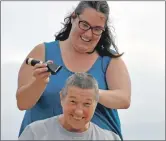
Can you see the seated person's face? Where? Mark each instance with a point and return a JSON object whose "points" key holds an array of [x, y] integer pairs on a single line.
{"points": [[78, 108]]}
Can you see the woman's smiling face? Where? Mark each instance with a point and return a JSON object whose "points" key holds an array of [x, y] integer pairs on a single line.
{"points": [[86, 30]]}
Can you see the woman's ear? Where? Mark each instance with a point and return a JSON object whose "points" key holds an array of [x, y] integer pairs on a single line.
{"points": [[71, 20], [73, 16]]}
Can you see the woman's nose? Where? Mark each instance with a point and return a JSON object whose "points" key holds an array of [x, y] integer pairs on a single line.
{"points": [[88, 34]]}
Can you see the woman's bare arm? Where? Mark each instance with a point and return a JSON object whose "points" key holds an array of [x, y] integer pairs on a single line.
{"points": [[118, 80], [32, 80]]}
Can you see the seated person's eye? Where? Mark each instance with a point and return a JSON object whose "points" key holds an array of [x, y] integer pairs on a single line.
{"points": [[87, 104], [72, 101]]}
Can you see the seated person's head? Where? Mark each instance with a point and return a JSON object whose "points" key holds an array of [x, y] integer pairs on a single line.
{"points": [[79, 99]]}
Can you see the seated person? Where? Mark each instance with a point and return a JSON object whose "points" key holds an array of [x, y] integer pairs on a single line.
{"points": [[79, 99]]}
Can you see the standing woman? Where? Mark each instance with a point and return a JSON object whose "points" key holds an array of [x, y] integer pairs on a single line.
{"points": [[83, 45]]}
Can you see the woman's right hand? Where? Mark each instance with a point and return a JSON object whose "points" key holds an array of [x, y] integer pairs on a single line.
{"points": [[40, 72]]}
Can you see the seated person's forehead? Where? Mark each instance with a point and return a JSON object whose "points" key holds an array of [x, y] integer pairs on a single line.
{"points": [[75, 92]]}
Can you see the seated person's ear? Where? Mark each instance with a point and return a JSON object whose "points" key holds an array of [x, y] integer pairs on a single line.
{"points": [[60, 95], [61, 98]]}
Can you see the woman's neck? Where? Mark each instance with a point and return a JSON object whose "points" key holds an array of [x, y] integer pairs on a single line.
{"points": [[69, 48], [75, 61]]}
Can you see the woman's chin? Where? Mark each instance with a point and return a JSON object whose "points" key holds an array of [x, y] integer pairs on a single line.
{"points": [[81, 49]]}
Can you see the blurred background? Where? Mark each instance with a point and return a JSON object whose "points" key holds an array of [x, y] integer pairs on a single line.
{"points": [[140, 34]]}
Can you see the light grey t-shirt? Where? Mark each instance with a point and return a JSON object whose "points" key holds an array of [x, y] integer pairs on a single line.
{"points": [[51, 129]]}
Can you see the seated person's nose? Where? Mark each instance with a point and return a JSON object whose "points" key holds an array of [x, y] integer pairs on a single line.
{"points": [[78, 111]]}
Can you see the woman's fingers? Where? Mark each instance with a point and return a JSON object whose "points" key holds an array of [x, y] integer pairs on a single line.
{"points": [[39, 65], [45, 75], [50, 61], [41, 71]]}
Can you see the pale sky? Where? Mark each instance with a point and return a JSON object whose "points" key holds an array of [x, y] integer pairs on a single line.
{"points": [[140, 33]]}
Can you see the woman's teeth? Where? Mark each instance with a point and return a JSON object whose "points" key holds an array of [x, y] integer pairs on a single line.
{"points": [[84, 39]]}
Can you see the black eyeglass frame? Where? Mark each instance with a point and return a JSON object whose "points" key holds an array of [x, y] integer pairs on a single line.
{"points": [[90, 27]]}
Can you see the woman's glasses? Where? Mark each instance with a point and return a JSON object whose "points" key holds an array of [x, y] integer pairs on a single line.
{"points": [[85, 26]]}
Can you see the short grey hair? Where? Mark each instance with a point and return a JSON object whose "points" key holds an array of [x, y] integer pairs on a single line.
{"points": [[83, 81]]}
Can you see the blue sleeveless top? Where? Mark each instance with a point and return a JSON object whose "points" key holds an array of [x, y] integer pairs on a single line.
{"points": [[49, 103]]}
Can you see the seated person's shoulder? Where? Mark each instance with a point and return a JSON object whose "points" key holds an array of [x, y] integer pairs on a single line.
{"points": [[41, 127], [36, 125], [103, 134], [37, 129], [45, 123]]}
